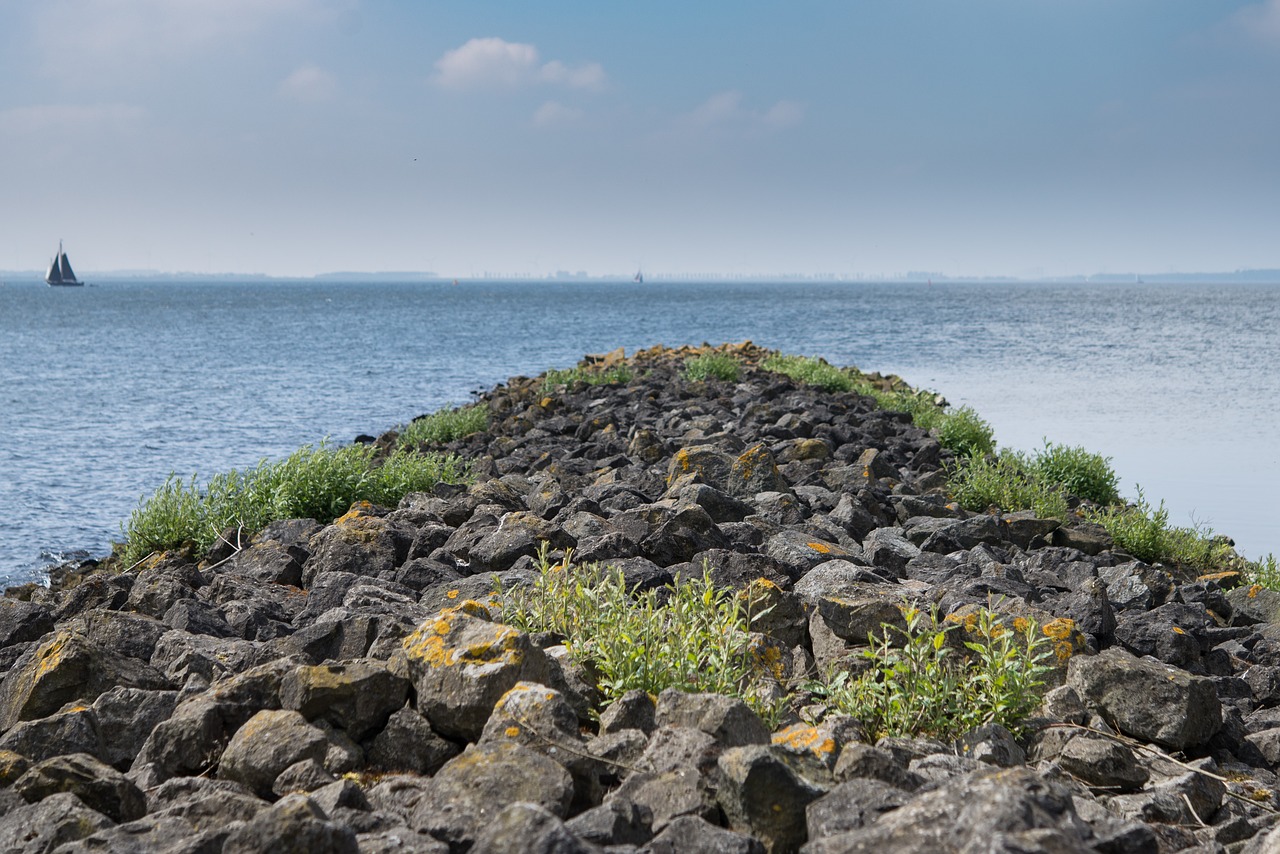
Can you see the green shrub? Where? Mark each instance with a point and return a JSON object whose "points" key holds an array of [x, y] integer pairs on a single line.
{"points": [[815, 372], [444, 426], [981, 481], [312, 483], [1265, 572], [698, 641], [708, 366], [1144, 532], [591, 375], [1077, 471], [919, 684], [965, 433]]}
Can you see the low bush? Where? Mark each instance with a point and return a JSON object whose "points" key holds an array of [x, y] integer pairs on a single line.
{"points": [[1264, 572], [920, 684], [712, 366], [815, 372], [589, 374], [982, 481], [695, 637], [1077, 472], [1144, 532], [444, 426], [318, 483]]}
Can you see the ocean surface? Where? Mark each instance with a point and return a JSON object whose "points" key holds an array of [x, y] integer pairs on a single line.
{"points": [[106, 390]]}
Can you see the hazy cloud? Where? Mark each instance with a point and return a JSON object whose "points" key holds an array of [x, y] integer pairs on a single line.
{"points": [[726, 109], [1260, 21], [553, 114], [494, 63], [69, 118], [309, 83], [74, 34]]}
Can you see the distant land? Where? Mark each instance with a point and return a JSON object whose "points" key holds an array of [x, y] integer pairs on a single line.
{"points": [[1264, 276]]}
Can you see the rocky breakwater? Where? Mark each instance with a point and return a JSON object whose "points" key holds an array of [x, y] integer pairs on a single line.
{"points": [[350, 686]]}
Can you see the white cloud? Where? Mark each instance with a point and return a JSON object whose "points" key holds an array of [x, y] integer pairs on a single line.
{"points": [[725, 109], [554, 114], [1260, 21], [309, 83], [494, 63], [70, 119], [78, 34]]}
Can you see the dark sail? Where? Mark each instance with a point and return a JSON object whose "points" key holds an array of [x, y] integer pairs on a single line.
{"points": [[60, 272], [68, 275]]}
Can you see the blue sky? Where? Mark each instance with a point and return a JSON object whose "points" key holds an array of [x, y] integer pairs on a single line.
{"points": [[990, 137]]}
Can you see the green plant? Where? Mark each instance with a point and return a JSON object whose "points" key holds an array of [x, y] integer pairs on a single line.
{"points": [[810, 371], [1077, 471], [589, 374], [1144, 532], [718, 366], [1264, 572], [981, 481], [920, 684], [695, 637], [444, 426], [318, 483]]}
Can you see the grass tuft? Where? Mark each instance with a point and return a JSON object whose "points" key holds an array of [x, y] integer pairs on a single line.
{"points": [[712, 366], [318, 483], [444, 426], [1144, 532], [591, 375], [1077, 472]]}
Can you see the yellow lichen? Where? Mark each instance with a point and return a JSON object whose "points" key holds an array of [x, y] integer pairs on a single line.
{"points": [[512, 731], [821, 548]]}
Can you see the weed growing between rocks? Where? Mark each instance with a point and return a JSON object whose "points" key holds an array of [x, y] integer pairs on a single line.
{"points": [[1265, 572], [1144, 532], [919, 684], [960, 429], [444, 426], [1077, 472], [712, 366], [1041, 482], [591, 375], [691, 635], [318, 483]]}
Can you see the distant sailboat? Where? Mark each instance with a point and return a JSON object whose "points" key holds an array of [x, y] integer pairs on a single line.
{"points": [[60, 273], [638, 278]]}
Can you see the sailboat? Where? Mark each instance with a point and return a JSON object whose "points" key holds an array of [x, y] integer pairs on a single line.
{"points": [[60, 273], [639, 277]]}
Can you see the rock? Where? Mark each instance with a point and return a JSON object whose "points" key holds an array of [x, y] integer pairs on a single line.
{"points": [[472, 789], [618, 822], [633, 710], [99, 786], [691, 833], [40, 827], [305, 776], [1102, 762], [266, 745], [524, 827], [797, 552], [858, 761], [993, 744], [461, 664], [21, 622], [358, 696], [1147, 699], [764, 798], [74, 729], [852, 805], [676, 776], [813, 751], [68, 666], [295, 825], [729, 721], [407, 743]]}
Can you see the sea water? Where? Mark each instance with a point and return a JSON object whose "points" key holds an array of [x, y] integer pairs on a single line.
{"points": [[107, 390]]}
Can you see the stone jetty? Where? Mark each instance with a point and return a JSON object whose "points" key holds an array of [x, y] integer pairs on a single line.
{"points": [[350, 686]]}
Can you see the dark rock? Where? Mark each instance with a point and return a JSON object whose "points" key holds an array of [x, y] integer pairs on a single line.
{"points": [[691, 833], [729, 721], [407, 743], [266, 745], [358, 696], [40, 827], [295, 825], [99, 786], [852, 805], [22, 622], [524, 827], [633, 710], [762, 797]]}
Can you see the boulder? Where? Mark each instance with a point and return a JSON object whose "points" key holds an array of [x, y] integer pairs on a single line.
{"points": [[1147, 699], [99, 786], [764, 798], [266, 745], [295, 825], [357, 696]]}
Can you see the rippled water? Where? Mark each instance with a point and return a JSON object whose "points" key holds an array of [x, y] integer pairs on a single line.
{"points": [[106, 390]]}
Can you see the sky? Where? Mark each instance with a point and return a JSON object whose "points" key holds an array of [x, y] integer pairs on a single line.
{"points": [[850, 137]]}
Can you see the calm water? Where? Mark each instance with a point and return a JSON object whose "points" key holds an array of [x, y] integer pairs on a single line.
{"points": [[106, 390]]}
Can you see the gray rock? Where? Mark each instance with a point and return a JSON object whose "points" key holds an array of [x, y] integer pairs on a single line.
{"points": [[295, 825], [1136, 585], [633, 710], [74, 729], [852, 805], [462, 664], [728, 720], [473, 788], [22, 622], [813, 751], [1102, 762], [797, 552], [524, 828], [407, 743], [677, 776], [153, 834], [99, 786], [305, 776], [618, 822], [266, 745], [993, 744], [126, 716], [691, 833], [41, 827], [358, 696], [1147, 699], [203, 801], [764, 798]]}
